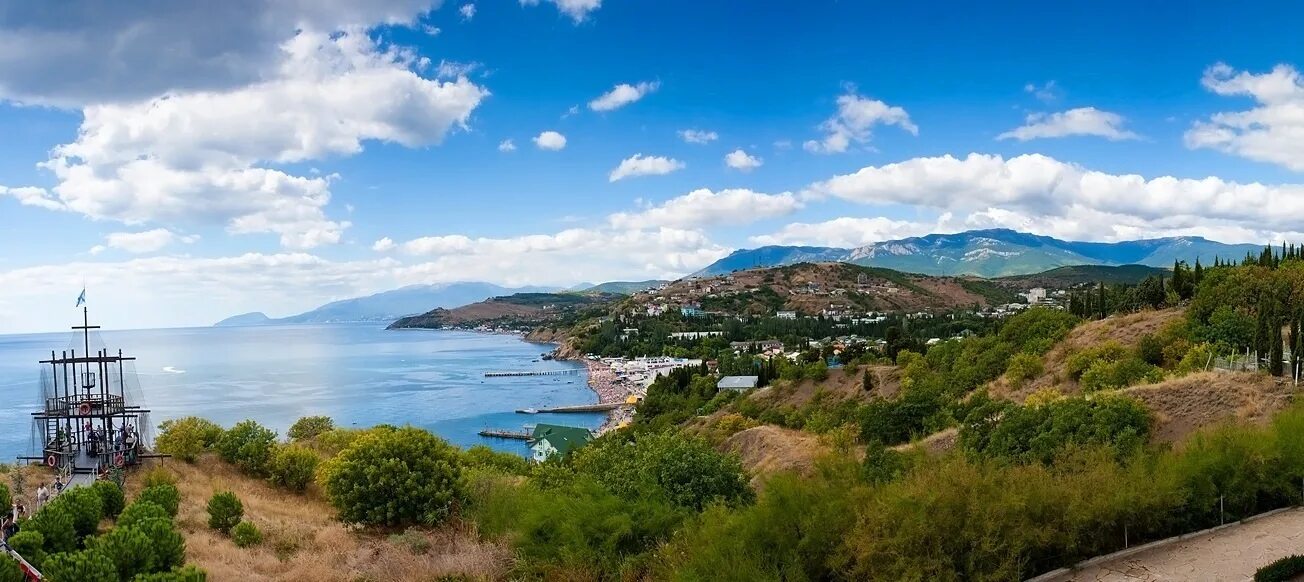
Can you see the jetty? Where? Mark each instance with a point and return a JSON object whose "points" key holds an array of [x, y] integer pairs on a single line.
{"points": [[580, 408], [568, 372], [505, 434]]}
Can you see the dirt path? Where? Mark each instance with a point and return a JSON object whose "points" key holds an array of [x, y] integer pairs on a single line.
{"points": [[1232, 553]]}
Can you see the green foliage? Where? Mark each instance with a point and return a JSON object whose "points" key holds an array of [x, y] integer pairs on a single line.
{"points": [[6, 499], [83, 566], [293, 467], [912, 413], [224, 511], [54, 522], [246, 534], [166, 496], [158, 476], [248, 445], [480, 456], [882, 464], [111, 498], [1109, 351], [1282, 570], [139, 511], [1024, 367], [185, 438], [169, 546], [85, 507], [10, 571], [681, 469], [1129, 371], [395, 477], [310, 427], [130, 550], [30, 544], [186, 573], [1041, 433], [1035, 330]]}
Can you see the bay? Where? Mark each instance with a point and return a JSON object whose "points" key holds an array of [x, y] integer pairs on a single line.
{"points": [[358, 374]]}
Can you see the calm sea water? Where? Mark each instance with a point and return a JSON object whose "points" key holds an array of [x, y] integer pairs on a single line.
{"points": [[358, 374]]}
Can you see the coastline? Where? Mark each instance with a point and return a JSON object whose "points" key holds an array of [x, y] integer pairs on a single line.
{"points": [[603, 381]]}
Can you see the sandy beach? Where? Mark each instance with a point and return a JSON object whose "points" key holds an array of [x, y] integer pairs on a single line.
{"points": [[603, 381]]}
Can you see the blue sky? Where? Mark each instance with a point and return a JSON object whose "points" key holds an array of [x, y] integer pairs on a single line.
{"points": [[257, 156]]}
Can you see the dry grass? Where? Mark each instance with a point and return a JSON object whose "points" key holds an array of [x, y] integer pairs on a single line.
{"points": [[766, 450], [302, 540], [1124, 329], [842, 384], [938, 443], [1183, 405]]}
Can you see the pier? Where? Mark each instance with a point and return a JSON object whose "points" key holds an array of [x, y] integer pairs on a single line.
{"points": [[569, 372], [581, 408], [505, 434]]}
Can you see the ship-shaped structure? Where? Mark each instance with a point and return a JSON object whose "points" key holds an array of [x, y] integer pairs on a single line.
{"points": [[91, 418]]}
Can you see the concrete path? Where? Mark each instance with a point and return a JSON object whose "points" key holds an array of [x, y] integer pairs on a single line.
{"points": [[1231, 553]]}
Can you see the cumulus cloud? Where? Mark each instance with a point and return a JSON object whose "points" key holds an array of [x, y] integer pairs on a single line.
{"points": [[148, 241], [200, 156], [1045, 92], [622, 95], [550, 140], [506, 146], [641, 165], [1272, 131], [1045, 195], [383, 245], [83, 52], [698, 136], [742, 161], [845, 232], [1080, 121], [467, 11], [705, 207], [577, 10], [32, 196], [854, 122]]}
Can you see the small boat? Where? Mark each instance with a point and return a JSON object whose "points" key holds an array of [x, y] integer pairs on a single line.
{"points": [[529, 410]]}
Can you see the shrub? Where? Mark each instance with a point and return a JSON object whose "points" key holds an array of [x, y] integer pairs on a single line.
{"points": [[111, 497], [83, 566], [139, 511], [85, 507], [166, 496], [1129, 371], [1283, 570], [414, 540], [1023, 367], [1040, 433], [158, 476], [395, 477], [684, 470], [1109, 351], [169, 547], [224, 511], [6, 499], [293, 467], [10, 571], [29, 544], [481, 456], [182, 574], [246, 534], [185, 438], [131, 551], [55, 524], [309, 427], [248, 445]]}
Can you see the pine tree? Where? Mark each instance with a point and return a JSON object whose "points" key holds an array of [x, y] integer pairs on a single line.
{"points": [[1197, 274], [1101, 307]]}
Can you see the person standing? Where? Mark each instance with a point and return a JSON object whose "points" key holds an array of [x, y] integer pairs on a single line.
{"points": [[42, 495]]}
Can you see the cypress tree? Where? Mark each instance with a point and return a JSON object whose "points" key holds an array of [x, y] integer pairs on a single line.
{"points": [[1274, 366], [1198, 274], [1101, 307], [1294, 346]]}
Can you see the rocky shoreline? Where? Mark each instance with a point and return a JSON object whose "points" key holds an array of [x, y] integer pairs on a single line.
{"points": [[603, 381]]}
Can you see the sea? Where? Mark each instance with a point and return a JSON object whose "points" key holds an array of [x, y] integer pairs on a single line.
{"points": [[358, 374]]}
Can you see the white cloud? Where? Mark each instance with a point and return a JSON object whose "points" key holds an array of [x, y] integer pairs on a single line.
{"points": [[467, 11], [453, 69], [622, 95], [845, 232], [198, 156], [855, 121], [144, 242], [506, 146], [550, 140], [1046, 92], [698, 136], [383, 245], [705, 207], [31, 196], [577, 10], [1080, 121], [742, 161], [572, 112], [90, 52], [1272, 132], [430, 30], [1044, 195], [641, 165]]}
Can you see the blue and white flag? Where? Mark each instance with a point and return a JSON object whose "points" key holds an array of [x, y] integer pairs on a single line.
{"points": [[81, 299]]}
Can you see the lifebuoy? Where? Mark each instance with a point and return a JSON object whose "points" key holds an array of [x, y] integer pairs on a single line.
{"points": [[85, 408], [119, 460], [51, 461]]}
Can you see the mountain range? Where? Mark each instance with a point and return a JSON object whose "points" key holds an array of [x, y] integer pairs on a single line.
{"points": [[987, 253], [389, 305]]}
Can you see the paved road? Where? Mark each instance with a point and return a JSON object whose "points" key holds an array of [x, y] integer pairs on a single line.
{"points": [[1232, 553]]}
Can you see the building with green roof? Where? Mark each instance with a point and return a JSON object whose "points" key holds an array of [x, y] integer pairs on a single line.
{"points": [[551, 439]]}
